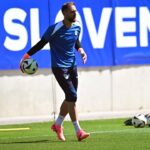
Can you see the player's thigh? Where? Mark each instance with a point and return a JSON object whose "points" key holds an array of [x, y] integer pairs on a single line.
{"points": [[63, 77], [74, 77]]}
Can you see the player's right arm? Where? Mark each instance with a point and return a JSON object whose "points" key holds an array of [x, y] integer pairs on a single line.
{"points": [[38, 46]]}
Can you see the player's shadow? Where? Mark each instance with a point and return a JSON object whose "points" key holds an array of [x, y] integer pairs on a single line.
{"points": [[29, 142]]}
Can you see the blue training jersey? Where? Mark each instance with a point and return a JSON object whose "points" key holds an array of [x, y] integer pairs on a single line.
{"points": [[62, 43]]}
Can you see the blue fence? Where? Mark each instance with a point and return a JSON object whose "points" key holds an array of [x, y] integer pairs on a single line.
{"points": [[114, 32]]}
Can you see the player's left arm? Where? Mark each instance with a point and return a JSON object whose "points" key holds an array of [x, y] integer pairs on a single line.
{"points": [[81, 51]]}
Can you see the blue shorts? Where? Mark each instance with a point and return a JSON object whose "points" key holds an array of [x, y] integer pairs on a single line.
{"points": [[68, 81]]}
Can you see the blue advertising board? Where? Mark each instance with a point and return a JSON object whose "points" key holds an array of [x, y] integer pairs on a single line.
{"points": [[114, 32], [22, 23], [132, 32]]}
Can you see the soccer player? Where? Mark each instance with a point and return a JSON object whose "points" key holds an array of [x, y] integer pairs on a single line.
{"points": [[64, 40]]}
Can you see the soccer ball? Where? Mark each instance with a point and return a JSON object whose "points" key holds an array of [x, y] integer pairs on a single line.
{"points": [[29, 66], [139, 121], [148, 118]]}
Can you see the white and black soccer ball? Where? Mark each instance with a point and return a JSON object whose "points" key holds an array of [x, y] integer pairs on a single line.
{"points": [[148, 119], [139, 121], [29, 66]]}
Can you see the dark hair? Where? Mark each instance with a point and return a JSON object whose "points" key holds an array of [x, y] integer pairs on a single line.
{"points": [[65, 6]]}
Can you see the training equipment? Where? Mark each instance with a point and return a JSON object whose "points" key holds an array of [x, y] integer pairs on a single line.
{"points": [[14, 129], [148, 118], [29, 66], [139, 121]]}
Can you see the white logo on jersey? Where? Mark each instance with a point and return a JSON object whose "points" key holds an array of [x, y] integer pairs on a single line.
{"points": [[76, 32]]}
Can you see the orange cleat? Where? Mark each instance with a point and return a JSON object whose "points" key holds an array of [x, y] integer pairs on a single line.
{"points": [[59, 131], [81, 135]]}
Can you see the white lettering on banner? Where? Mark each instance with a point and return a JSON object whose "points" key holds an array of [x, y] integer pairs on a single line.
{"points": [[34, 22], [15, 29], [34, 26], [97, 39], [126, 23], [125, 26], [144, 26]]}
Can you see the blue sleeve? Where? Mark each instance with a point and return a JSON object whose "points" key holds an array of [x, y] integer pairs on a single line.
{"points": [[47, 34]]}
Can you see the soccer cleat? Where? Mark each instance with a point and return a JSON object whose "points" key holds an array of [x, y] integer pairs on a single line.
{"points": [[59, 131], [81, 134]]}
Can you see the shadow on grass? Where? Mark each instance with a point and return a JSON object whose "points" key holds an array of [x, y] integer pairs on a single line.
{"points": [[36, 141], [29, 142]]}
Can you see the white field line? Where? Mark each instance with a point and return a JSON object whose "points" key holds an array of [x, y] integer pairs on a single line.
{"points": [[119, 131], [92, 132]]}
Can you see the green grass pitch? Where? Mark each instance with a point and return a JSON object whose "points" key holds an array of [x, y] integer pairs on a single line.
{"points": [[109, 134]]}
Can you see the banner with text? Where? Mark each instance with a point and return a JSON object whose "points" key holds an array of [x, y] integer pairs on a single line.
{"points": [[114, 32]]}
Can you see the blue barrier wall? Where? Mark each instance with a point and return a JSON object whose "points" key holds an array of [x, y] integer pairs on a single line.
{"points": [[114, 32]]}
